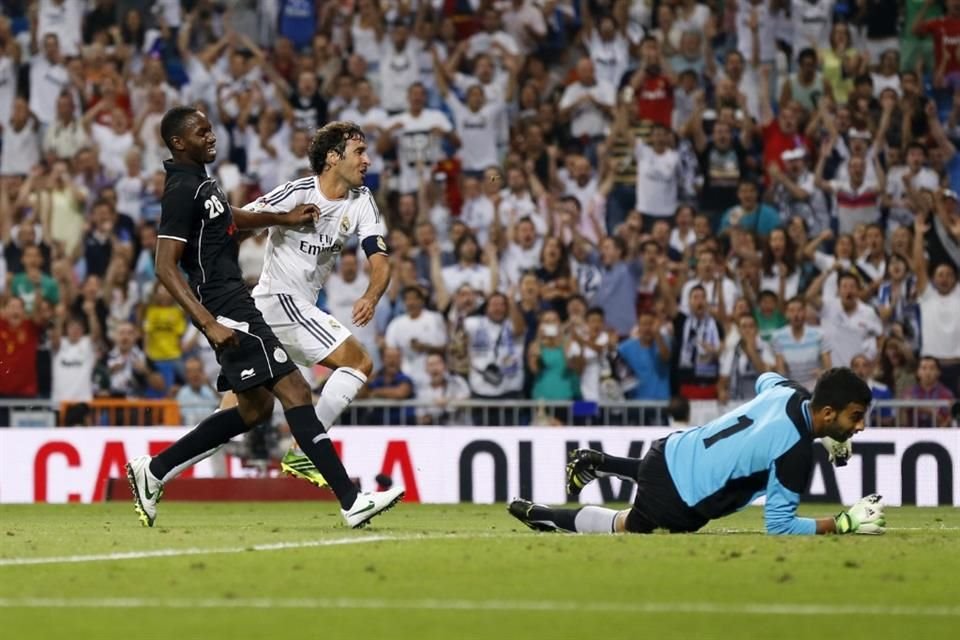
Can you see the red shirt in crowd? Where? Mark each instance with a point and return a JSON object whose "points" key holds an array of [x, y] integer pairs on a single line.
{"points": [[18, 359], [946, 36], [775, 142], [655, 101]]}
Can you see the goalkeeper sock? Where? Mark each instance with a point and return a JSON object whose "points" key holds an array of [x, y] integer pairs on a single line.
{"points": [[594, 520], [338, 391], [208, 436], [316, 445], [626, 468]]}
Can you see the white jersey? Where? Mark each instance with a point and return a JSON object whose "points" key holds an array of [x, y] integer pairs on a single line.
{"points": [[299, 260]]}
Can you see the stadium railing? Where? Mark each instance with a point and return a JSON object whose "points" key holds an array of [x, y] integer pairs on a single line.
{"points": [[141, 412]]}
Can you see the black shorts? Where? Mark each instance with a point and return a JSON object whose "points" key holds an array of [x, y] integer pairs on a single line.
{"points": [[259, 358], [658, 504]]}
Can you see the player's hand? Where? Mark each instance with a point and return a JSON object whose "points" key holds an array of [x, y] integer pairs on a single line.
{"points": [[363, 312], [299, 216], [865, 517], [838, 452], [221, 337]]}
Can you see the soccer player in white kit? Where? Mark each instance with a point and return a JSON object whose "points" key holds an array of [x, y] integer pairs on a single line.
{"points": [[298, 262]]}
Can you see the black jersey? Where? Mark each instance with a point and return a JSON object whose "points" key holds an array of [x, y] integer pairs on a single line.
{"points": [[195, 211]]}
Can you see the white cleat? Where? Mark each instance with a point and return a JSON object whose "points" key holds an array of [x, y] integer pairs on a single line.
{"points": [[146, 489], [368, 505]]}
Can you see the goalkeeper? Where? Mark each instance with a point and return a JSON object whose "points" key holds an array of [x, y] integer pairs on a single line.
{"points": [[764, 447]]}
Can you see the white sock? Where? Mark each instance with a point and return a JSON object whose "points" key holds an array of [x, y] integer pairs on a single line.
{"points": [[339, 390], [595, 520]]}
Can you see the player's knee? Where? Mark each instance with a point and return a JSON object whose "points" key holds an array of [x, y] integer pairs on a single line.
{"points": [[257, 411], [293, 391], [636, 522], [364, 364]]}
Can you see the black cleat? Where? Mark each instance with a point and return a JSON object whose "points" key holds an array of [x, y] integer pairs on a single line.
{"points": [[535, 516], [582, 469]]}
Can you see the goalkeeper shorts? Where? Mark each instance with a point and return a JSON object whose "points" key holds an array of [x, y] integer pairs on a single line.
{"points": [[658, 504]]}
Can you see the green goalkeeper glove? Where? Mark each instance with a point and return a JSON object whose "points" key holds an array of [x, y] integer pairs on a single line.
{"points": [[866, 517]]}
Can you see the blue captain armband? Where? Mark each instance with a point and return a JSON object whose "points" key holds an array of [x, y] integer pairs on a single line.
{"points": [[374, 244]]}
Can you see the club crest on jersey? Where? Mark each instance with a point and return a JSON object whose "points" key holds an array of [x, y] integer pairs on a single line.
{"points": [[279, 355], [344, 225]]}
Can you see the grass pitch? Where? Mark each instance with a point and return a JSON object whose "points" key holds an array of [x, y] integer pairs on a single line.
{"points": [[462, 571]]}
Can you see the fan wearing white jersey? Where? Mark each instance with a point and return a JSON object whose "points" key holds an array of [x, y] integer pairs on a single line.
{"points": [[298, 262]]}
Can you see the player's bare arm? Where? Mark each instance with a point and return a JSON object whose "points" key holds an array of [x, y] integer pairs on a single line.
{"points": [[379, 280], [168, 257], [299, 216]]}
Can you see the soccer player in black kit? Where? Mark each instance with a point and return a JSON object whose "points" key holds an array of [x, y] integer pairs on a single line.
{"points": [[197, 229]]}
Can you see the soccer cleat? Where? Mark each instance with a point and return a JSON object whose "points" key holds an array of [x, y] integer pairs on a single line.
{"points": [[582, 469], [146, 489], [368, 505], [299, 466], [535, 516]]}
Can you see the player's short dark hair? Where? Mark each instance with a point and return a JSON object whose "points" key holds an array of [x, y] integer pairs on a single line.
{"points": [[839, 387], [174, 122], [333, 136]]}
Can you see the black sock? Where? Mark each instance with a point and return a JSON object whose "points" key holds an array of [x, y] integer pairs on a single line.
{"points": [[315, 443], [214, 431], [628, 468]]}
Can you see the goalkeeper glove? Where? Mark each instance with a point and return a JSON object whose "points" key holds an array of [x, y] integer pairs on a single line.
{"points": [[866, 517], [838, 452]]}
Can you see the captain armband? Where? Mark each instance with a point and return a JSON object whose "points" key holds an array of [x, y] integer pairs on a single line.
{"points": [[374, 244]]}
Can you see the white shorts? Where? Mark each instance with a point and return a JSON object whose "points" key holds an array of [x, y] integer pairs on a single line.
{"points": [[307, 333]]}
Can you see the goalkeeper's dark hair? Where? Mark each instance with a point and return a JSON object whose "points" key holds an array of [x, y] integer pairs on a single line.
{"points": [[333, 136], [174, 122], [838, 387]]}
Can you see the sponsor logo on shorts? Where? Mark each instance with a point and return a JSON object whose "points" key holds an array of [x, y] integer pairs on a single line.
{"points": [[247, 373], [334, 324], [279, 355]]}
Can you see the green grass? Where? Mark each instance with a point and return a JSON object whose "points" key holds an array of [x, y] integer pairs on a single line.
{"points": [[465, 572]]}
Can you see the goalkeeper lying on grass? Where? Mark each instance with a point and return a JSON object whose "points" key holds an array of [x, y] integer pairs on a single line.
{"points": [[764, 447]]}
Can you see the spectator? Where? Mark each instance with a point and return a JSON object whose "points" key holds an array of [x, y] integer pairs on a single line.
{"points": [[33, 285], [722, 163], [127, 364], [863, 367], [416, 133], [939, 310], [549, 360], [440, 389], [21, 141], [74, 357], [768, 314], [647, 352], [928, 387], [391, 383], [743, 362], [720, 290], [696, 348], [588, 105], [591, 344], [48, 78], [617, 284], [802, 351], [850, 325], [18, 361], [196, 397], [657, 177], [22, 236], [495, 342], [855, 199], [466, 270], [795, 194], [750, 214], [163, 325], [417, 334], [896, 300]]}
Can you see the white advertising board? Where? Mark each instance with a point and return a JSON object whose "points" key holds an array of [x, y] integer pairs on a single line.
{"points": [[467, 464]]}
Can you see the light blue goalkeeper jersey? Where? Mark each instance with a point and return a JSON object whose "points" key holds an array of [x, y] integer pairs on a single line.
{"points": [[762, 447]]}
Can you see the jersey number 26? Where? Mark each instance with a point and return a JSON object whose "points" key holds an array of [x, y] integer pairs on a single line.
{"points": [[213, 206]]}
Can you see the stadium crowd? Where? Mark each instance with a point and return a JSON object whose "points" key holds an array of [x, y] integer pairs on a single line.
{"points": [[588, 200]]}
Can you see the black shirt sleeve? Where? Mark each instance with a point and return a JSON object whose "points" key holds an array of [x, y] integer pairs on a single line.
{"points": [[177, 211]]}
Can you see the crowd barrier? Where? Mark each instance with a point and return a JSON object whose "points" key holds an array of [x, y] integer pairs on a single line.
{"points": [[471, 464], [138, 412]]}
